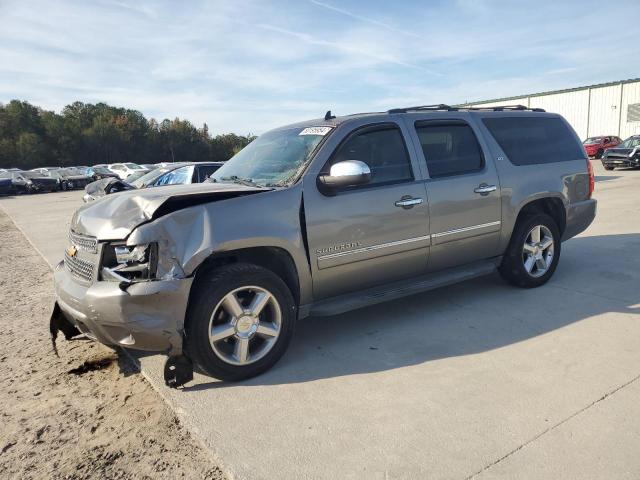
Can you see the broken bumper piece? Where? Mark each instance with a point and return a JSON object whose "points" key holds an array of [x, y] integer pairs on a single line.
{"points": [[144, 316]]}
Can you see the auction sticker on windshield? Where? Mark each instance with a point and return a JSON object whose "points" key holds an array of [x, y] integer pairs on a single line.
{"points": [[315, 131]]}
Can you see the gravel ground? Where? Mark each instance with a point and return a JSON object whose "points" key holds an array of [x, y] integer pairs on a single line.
{"points": [[106, 422]]}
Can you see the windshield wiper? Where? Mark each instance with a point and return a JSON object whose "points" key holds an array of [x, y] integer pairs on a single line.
{"points": [[242, 181]]}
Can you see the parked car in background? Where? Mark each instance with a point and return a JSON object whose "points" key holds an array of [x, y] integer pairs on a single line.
{"points": [[98, 173], [29, 182], [596, 146], [174, 174], [6, 183], [151, 166], [626, 154], [69, 178], [125, 169]]}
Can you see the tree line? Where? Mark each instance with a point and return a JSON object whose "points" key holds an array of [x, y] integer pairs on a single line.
{"points": [[89, 134]]}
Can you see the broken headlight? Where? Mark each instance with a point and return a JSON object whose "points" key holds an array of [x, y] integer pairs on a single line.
{"points": [[124, 263]]}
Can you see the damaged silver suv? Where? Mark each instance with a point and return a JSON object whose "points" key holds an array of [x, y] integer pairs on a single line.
{"points": [[318, 218]]}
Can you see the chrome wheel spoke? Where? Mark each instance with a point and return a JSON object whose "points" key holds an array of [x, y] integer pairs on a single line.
{"points": [[259, 302], [241, 350], [529, 249], [535, 234], [546, 242], [232, 305], [529, 263], [267, 329], [220, 332], [541, 264]]}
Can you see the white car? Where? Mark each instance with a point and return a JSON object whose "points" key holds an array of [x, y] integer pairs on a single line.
{"points": [[123, 170]]}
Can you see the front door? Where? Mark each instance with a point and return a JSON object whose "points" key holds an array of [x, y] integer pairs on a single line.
{"points": [[371, 234], [464, 193]]}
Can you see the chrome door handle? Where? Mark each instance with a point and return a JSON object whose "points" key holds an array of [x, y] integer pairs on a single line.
{"points": [[408, 202], [484, 189]]}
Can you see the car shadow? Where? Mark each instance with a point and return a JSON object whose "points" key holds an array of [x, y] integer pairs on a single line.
{"points": [[605, 178], [464, 319]]}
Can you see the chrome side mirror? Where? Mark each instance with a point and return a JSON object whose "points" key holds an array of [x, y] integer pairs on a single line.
{"points": [[348, 173]]}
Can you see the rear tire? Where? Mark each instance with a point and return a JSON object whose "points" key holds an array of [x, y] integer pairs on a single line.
{"points": [[240, 321], [533, 252]]}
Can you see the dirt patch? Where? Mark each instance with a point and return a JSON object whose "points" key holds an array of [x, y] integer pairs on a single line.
{"points": [[87, 413]]}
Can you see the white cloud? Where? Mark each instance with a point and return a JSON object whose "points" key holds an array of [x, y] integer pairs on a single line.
{"points": [[248, 66]]}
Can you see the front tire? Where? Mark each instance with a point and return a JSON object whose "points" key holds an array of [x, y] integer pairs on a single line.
{"points": [[240, 321], [533, 252], [606, 167], [599, 153]]}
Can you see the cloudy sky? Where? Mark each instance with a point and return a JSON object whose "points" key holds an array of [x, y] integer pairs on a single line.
{"points": [[246, 66]]}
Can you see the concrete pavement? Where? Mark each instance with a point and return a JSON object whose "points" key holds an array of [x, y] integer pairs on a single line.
{"points": [[477, 379]]}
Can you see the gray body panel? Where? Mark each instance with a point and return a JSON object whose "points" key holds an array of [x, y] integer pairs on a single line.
{"points": [[348, 250]]}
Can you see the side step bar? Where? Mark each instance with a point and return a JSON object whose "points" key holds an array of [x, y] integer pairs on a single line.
{"points": [[403, 288]]}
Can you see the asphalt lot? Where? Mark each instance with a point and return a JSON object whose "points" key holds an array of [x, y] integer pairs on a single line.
{"points": [[474, 380]]}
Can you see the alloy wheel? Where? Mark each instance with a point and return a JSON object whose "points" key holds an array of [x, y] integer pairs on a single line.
{"points": [[537, 252], [245, 325]]}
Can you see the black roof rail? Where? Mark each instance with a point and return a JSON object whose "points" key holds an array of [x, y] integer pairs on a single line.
{"points": [[440, 106], [448, 108]]}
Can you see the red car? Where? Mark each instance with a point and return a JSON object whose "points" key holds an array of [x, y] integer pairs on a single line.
{"points": [[595, 146]]}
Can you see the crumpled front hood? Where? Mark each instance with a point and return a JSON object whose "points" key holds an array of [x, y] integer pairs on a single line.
{"points": [[102, 187], [113, 217]]}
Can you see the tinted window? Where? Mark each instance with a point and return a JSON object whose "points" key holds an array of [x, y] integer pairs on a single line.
{"points": [[383, 150], [449, 149], [205, 171], [528, 140]]}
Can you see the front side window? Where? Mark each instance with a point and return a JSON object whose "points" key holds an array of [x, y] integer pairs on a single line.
{"points": [[382, 149], [449, 148]]}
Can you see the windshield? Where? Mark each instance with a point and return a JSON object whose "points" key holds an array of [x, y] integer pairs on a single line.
{"points": [[101, 170], [273, 159], [592, 140], [630, 142], [132, 166], [148, 177], [70, 171]]}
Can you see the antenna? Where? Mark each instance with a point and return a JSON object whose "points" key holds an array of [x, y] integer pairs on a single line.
{"points": [[328, 116]]}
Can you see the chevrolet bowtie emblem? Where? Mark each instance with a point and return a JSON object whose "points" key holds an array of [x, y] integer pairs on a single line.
{"points": [[72, 251]]}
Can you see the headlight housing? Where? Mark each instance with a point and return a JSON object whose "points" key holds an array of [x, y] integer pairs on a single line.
{"points": [[124, 263]]}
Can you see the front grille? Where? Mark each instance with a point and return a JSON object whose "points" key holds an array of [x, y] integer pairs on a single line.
{"points": [[80, 268], [83, 242]]}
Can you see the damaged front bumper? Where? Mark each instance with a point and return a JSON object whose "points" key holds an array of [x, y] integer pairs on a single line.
{"points": [[143, 316]]}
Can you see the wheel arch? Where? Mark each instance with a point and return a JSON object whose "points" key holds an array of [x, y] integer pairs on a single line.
{"points": [[276, 259], [552, 206]]}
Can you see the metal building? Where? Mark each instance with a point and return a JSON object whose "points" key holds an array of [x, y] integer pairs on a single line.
{"points": [[604, 109]]}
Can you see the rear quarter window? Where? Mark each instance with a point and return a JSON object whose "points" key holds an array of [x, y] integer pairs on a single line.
{"points": [[531, 141]]}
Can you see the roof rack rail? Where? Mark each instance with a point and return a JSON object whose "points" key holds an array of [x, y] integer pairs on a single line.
{"points": [[448, 108], [440, 106]]}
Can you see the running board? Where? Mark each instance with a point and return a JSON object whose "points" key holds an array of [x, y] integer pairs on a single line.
{"points": [[403, 288]]}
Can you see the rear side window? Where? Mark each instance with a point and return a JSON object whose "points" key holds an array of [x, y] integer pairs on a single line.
{"points": [[449, 149], [382, 149], [530, 141]]}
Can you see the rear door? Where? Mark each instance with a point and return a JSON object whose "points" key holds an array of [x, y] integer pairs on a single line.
{"points": [[371, 234], [463, 190]]}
